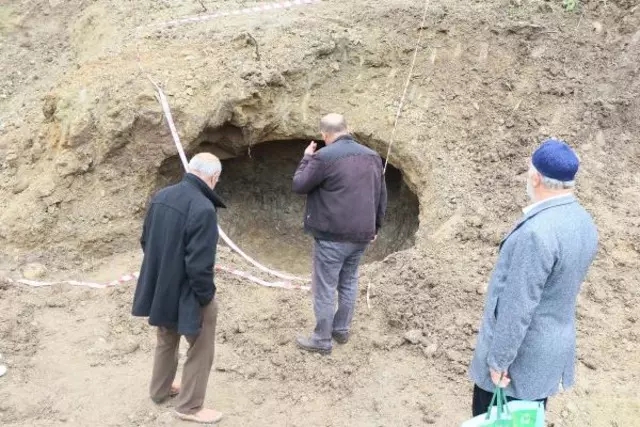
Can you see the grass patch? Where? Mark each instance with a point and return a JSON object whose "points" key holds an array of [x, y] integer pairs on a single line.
{"points": [[570, 5]]}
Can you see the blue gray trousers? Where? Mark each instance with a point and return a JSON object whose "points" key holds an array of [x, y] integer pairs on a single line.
{"points": [[335, 267]]}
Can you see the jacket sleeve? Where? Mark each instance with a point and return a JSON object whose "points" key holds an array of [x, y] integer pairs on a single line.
{"points": [[309, 175], [200, 250], [145, 228], [530, 265], [382, 204]]}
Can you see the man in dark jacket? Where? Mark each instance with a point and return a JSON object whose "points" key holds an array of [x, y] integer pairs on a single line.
{"points": [[176, 289], [346, 203]]}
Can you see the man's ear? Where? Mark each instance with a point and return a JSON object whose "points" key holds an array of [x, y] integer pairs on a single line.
{"points": [[536, 180]]}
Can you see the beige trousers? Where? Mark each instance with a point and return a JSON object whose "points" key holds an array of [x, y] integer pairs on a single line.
{"points": [[195, 373]]}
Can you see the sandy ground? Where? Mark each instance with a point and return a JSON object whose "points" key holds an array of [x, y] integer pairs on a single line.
{"points": [[83, 145]]}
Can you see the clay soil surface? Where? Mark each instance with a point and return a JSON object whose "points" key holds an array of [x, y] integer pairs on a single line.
{"points": [[83, 145]]}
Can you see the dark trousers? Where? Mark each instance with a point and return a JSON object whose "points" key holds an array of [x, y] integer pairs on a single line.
{"points": [[482, 400]]}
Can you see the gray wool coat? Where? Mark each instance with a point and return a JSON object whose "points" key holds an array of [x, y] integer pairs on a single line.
{"points": [[528, 325]]}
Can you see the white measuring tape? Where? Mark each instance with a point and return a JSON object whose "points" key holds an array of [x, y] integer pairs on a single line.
{"points": [[406, 85], [35, 284], [132, 276], [264, 7]]}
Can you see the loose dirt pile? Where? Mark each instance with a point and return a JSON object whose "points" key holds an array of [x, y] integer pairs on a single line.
{"points": [[83, 145]]}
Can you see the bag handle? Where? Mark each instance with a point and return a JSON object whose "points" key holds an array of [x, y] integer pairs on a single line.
{"points": [[499, 398]]}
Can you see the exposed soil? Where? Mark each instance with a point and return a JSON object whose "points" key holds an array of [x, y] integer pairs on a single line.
{"points": [[83, 145]]}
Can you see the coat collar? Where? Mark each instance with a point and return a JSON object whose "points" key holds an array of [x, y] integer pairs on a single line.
{"points": [[344, 138], [204, 189], [540, 207]]}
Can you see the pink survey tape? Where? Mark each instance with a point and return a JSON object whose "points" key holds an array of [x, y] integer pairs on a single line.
{"points": [[133, 276], [260, 8], [33, 283]]}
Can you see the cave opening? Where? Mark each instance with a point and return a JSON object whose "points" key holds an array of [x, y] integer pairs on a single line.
{"points": [[265, 218]]}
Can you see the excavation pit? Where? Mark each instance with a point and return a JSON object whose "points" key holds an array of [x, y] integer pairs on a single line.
{"points": [[265, 218]]}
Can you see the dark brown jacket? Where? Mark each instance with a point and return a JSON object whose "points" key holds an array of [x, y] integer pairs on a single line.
{"points": [[346, 191]]}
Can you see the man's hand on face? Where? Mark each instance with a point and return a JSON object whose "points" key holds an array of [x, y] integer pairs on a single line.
{"points": [[311, 149], [500, 379]]}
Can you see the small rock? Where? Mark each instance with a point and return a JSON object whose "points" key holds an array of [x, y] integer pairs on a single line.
{"points": [[11, 159], [413, 336], [454, 356], [251, 372], [430, 350], [258, 400], [20, 186], [127, 347], [597, 294], [597, 27], [428, 419], [166, 418], [481, 289], [460, 321], [277, 360], [396, 342], [56, 302], [379, 342], [589, 363], [475, 221], [395, 323], [34, 271]]}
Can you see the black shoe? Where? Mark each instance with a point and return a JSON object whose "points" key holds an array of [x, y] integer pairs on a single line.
{"points": [[340, 337], [308, 345]]}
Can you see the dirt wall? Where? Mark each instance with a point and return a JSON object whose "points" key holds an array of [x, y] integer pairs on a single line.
{"points": [[83, 144]]}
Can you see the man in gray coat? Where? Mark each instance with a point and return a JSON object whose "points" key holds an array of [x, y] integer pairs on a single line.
{"points": [[527, 341]]}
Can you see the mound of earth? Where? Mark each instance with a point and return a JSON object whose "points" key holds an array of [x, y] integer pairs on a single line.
{"points": [[84, 144]]}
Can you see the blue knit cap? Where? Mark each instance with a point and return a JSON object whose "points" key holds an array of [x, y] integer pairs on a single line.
{"points": [[555, 159]]}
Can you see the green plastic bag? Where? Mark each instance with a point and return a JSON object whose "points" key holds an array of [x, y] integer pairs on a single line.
{"points": [[526, 413], [518, 413]]}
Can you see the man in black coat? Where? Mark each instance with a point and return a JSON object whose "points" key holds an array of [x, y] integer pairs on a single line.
{"points": [[176, 287]]}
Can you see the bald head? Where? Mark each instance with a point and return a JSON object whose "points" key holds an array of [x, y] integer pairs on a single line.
{"points": [[207, 167], [333, 126]]}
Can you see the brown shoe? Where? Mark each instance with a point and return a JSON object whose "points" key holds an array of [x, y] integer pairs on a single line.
{"points": [[203, 416]]}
